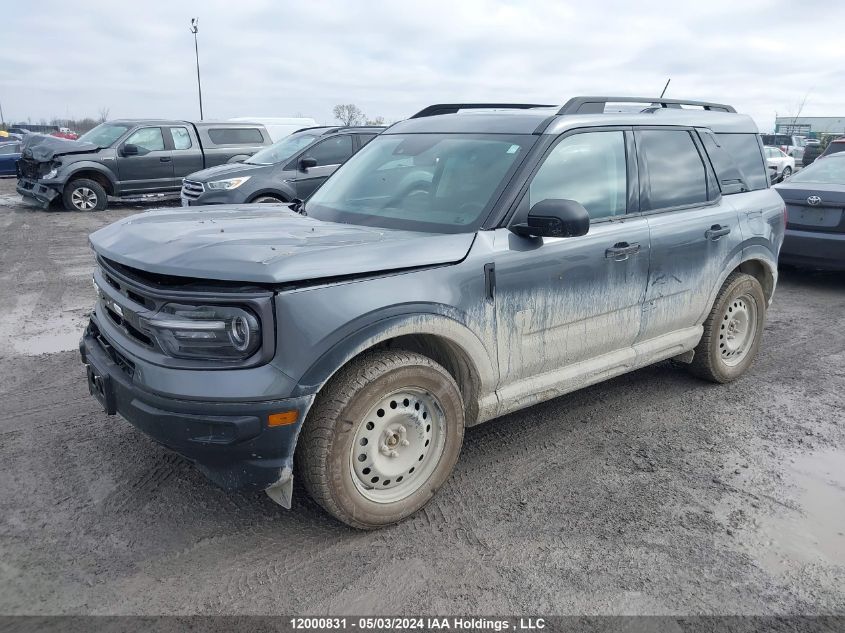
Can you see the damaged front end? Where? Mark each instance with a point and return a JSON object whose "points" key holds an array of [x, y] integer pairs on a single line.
{"points": [[38, 167]]}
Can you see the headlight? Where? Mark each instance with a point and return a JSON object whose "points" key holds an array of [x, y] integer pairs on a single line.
{"points": [[207, 332], [50, 174], [229, 183]]}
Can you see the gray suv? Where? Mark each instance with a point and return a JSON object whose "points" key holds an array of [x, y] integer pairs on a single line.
{"points": [[471, 261], [288, 170]]}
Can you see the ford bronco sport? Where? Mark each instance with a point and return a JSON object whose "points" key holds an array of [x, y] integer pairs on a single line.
{"points": [[468, 262]]}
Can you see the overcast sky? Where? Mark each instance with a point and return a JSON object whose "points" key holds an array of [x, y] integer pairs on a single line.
{"points": [[281, 58]]}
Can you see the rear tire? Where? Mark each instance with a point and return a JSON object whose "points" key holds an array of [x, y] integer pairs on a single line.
{"points": [[732, 331], [787, 172], [382, 437], [83, 194]]}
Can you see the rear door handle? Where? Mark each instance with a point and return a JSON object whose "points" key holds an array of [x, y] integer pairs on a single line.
{"points": [[164, 159], [621, 250], [716, 231]]}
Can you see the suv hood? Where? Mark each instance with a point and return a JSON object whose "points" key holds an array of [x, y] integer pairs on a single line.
{"points": [[227, 170], [267, 244], [42, 147]]}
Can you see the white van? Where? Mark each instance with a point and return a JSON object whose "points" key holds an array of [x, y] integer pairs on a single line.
{"points": [[279, 127]]}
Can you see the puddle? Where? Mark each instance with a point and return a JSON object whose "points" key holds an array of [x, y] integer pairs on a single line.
{"points": [[28, 333], [49, 343], [815, 534]]}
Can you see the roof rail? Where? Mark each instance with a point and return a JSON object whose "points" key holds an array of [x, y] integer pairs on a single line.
{"points": [[452, 108], [595, 105]]}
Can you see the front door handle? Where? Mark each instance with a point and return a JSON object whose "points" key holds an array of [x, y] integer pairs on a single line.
{"points": [[164, 159], [621, 250], [716, 231]]}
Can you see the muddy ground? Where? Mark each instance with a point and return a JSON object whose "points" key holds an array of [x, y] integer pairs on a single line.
{"points": [[652, 493]]}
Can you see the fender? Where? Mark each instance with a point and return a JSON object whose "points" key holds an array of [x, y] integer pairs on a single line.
{"points": [[281, 191], [761, 255], [88, 165], [390, 326]]}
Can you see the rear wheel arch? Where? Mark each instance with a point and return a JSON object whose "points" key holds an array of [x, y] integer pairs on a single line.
{"points": [[762, 272]]}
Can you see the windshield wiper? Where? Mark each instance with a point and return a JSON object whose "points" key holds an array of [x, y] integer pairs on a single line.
{"points": [[298, 206]]}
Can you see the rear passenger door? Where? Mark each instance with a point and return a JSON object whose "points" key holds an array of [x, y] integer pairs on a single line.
{"points": [[695, 232], [563, 301], [151, 169], [329, 154], [187, 154]]}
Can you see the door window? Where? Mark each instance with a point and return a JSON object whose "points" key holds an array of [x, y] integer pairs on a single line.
{"points": [[11, 148], [363, 139], [332, 151], [589, 168], [181, 138], [676, 173], [149, 138]]}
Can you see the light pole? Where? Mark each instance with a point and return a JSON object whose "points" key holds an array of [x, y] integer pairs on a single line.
{"points": [[195, 23]]}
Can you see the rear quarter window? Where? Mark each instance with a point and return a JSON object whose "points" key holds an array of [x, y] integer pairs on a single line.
{"points": [[235, 136], [744, 150]]}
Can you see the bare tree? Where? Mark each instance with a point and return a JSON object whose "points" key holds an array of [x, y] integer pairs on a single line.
{"points": [[103, 115], [379, 120], [348, 114]]}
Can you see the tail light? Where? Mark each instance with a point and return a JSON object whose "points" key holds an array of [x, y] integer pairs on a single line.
{"points": [[783, 148]]}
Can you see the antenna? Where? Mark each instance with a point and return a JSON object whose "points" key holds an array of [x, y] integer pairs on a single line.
{"points": [[664, 87]]}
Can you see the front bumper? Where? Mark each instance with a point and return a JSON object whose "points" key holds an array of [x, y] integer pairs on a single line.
{"points": [[230, 442], [234, 196], [813, 249], [38, 192]]}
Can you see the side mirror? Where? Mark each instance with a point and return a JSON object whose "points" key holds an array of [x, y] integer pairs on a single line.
{"points": [[129, 149], [306, 163], [555, 218]]}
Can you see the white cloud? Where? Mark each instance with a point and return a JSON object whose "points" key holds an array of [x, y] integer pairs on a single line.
{"points": [[392, 58]]}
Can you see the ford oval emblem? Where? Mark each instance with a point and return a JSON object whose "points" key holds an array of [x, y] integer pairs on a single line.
{"points": [[814, 201]]}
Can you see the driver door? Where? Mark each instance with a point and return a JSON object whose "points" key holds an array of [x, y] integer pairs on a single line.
{"points": [[329, 154], [151, 169], [563, 302]]}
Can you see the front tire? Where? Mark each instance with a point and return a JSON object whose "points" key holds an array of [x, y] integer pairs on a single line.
{"points": [[83, 194], [787, 172], [732, 331], [382, 437], [267, 200]]}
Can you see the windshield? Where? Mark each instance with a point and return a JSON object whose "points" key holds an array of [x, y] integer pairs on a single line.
{"points": [[104, 134], [830, 171], [281, 151], [438, 183]]}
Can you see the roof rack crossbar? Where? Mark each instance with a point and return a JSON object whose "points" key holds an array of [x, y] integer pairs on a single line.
{"points": [[452, 108], [596, 105]]}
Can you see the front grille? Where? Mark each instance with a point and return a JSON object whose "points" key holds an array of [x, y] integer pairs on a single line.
{"points": [[126, 365], [192, 189], [29, 168]]}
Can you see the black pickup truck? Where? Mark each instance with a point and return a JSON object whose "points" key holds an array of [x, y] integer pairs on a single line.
{"points": [[129, 159]]}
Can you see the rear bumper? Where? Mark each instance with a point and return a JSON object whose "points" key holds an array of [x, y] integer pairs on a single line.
{"points": [[813, 249], [41, 194], [230, 442]]}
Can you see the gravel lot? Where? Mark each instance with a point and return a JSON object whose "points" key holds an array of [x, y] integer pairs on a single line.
{"points": [[652, 493]]}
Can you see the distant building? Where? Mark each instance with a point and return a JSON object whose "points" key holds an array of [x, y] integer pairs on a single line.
{"points": [[812, 126]]}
